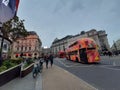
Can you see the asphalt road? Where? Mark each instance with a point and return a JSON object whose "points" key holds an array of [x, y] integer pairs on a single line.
{"points": [[103, 76]]}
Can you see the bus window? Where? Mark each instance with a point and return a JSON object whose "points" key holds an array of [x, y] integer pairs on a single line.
{"points": [[83, 55], [90, 48]]}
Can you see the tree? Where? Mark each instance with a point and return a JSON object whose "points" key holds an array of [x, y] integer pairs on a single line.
{"points": [[12, 29], [82, 32]]}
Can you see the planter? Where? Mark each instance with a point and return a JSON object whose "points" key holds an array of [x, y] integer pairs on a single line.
{"points": [[27, 70], [9, 74]]}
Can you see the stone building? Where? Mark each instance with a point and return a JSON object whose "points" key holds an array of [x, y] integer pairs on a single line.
{"points": [[116, 46], [46, 51], [75, 38], [60, 44], [29, 46], [99, 36]]}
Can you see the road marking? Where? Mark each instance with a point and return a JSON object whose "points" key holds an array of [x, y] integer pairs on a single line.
{"points": [[81, 66], [110, 68], [74, 65], [62, 63]]}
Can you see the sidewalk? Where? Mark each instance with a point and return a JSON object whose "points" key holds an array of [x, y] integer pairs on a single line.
{"points": [[26, 83], [56, 78]]}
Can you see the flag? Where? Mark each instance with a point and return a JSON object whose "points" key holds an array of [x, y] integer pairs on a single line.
{"points": [[8, 9]]}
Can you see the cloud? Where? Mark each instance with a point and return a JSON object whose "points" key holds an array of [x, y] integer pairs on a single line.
{"points": [[60, 4], [72, 5], [76, 5], [116, 7]]}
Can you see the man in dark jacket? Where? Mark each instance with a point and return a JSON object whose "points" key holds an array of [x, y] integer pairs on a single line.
{"points": [[46, 60], [51, 59]]}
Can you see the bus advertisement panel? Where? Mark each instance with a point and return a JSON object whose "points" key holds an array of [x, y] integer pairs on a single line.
{"points": [[84, 50]]}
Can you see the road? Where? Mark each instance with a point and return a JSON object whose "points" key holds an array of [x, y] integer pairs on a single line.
{"points": [[103, 76]]}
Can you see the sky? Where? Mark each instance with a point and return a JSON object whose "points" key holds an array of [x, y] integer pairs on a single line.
{"points": [[52, 19]]}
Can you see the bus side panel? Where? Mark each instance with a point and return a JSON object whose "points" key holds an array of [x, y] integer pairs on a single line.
{"points": [[93, 56], [67, 57], [73, 57]]}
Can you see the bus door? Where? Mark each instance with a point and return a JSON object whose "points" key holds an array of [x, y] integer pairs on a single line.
{"points": [[83, 55]]}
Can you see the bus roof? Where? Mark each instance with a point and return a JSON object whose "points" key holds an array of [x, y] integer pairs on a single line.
{"points": [[83, 43]]}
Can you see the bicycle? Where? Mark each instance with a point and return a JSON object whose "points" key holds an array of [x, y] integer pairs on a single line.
{"points": [[35, 71]]}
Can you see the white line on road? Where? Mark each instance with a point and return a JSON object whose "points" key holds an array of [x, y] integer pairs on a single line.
{"points": [[72, 65], [110, 68]]}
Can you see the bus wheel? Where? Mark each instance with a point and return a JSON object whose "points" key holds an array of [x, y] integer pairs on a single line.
{"points": [[77, 59]]}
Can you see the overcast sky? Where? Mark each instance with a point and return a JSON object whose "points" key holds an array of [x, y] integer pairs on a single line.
{"points": [[58, 18]]}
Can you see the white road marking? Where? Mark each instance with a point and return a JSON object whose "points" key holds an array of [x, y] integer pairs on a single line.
{"points": [[74, 65], [110, 68]]}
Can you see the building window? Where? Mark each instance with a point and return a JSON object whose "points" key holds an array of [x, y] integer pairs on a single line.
{"points": [[63, 48], [35, 48], [56, 50], [29, 48], [59, 48], [22, 48], [17, 48], [25, 48], [5, 46]]}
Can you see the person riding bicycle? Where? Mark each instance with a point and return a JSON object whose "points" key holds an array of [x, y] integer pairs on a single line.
{"points": [[35, 69]]}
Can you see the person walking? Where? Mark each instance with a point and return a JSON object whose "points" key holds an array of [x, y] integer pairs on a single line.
{"points": [[46, 60], [51, 59]]}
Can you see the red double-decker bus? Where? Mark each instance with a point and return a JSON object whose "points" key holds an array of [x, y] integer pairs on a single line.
{"points": [[84, 50], [61, 54]]}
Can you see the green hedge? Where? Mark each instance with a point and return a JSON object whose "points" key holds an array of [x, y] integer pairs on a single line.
{"points": [[29, 61], [13, 62], [3, 68], [10, 63]]}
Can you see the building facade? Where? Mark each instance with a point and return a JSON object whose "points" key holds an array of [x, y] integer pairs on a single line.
{"points": [[29, 46], [75, 38], [60, 44], [99, 36], [116, 46], [6, 46], [46, 51]]}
